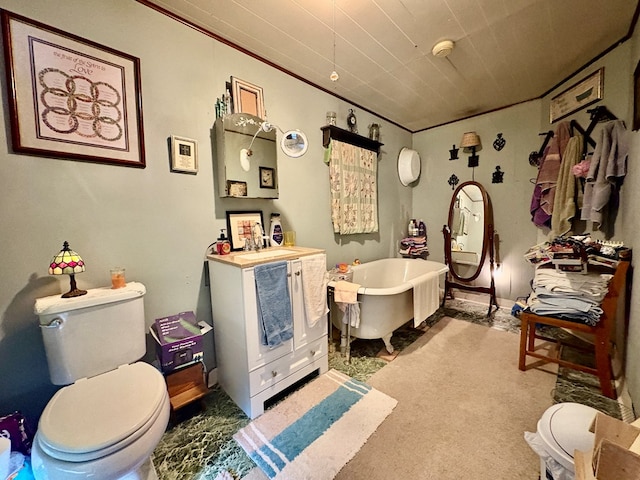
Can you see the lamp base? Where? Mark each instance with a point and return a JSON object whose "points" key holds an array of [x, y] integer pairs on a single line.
{"points": [[473, 161], [74, 293]]}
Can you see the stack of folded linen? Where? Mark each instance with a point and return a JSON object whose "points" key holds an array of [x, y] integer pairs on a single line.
{"points": [[414, 247], [568, 295]]}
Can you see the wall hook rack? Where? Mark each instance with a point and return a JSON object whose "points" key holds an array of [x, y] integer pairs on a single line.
{"points": [[597, 115], [535, 157]]}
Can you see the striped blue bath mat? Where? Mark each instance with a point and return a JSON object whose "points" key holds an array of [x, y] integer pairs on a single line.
{"points": [[314, 432]]}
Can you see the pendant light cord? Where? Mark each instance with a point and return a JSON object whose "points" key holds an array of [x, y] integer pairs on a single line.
{"points": [[334, 75]]}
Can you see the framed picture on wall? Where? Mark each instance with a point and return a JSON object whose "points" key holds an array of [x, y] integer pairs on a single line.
{"points": [[236, 188], [184, 155], [247, 98], [578, 96], [267, 177], [70, 97], [240, 226]]}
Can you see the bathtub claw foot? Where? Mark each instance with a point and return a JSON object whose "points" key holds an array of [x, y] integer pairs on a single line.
{"points": [[387, 342]]}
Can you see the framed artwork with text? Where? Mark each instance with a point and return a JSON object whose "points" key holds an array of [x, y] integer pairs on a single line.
{"points": [[70, 97]]}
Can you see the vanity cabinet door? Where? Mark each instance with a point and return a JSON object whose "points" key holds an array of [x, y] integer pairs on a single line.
{"points": [[303, 334], [258, 354]]}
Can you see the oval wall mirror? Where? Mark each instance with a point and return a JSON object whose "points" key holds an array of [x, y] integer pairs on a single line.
{"points": [[294, 143]]}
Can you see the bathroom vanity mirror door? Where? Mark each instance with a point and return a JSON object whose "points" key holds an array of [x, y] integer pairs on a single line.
{"points": [[470, 218], [241, 175]]}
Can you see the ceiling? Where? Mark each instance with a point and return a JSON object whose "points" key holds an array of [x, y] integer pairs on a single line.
{"points": [[506, 51]]}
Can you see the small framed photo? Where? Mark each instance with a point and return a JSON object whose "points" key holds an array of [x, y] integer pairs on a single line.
{"points": [[267, 177], [240, 226], [247, 98], [236, 188], [184, 155]]}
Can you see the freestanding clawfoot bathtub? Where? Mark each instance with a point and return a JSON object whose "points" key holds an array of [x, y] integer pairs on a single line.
{"points": [[386, 295]]}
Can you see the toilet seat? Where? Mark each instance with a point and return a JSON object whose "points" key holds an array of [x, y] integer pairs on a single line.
{"points": [[564, 428], [97, 416]]}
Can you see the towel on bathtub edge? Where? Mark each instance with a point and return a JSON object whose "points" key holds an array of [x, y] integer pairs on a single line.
{"points": [[345, 292], [274, 304], [426, 297]]}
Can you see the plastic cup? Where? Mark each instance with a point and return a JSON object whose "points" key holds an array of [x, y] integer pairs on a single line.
{"points": [[117, 278], [289, 238]]}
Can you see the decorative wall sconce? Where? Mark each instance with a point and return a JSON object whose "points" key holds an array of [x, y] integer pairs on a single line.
{"points": [[497, 175], [453, 153], [245, 153], [453, 181], [471, 140], [293, 143]]}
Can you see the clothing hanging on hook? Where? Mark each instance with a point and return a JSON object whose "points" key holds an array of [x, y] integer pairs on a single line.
{"points": [[544, 191], [597, 115], [604, 180]]}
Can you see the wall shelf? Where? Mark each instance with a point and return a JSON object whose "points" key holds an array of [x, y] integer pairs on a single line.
{"points": [[332, 132]]}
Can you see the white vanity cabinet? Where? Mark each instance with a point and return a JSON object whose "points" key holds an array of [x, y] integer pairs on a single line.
{"points": [[248, 371]]}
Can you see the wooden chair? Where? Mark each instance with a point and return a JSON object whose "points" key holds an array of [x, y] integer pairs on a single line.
{"points": [[601, 332]]}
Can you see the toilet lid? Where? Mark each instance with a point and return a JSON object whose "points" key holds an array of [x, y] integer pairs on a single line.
{"points": [[564, 428], [95, 413]]}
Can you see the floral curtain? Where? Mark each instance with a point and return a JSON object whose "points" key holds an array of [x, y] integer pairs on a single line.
{"points": [[354, 189]]}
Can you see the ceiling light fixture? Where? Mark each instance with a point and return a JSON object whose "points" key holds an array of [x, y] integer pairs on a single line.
{"points": [[443, 49], [334, 75]]}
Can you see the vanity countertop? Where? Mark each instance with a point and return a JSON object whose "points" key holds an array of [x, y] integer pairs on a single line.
{"points": [[246, 259]]}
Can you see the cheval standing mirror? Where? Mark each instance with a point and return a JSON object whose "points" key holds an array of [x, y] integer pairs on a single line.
{"points": [[469, 242]]}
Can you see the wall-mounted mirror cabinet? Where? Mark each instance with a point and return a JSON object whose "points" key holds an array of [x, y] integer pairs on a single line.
{"points": [[246, 157], [469, 241]]}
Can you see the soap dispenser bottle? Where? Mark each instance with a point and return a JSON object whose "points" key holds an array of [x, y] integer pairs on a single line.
{"points": [[422, 229], [276, 235], [223, 247]]}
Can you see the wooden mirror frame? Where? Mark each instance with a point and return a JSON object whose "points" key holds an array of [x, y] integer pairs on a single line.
{"points": [[453, 278]]}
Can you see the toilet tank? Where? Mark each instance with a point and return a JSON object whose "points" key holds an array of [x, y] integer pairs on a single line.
{"points": [[94, 333]]}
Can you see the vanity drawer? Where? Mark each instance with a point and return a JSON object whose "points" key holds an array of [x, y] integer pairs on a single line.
{"points": [[270, 374]]}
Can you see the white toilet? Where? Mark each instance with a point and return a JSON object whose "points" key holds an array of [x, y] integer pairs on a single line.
{"points": [[106, 423]]}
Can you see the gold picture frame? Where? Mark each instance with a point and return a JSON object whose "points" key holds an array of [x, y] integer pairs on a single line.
{"points": [[578, 96], [184, 155], [70, 97], [247, 98]]}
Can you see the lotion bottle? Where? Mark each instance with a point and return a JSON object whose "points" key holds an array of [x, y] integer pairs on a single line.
{"points": [[223, 247], [276, 235]]}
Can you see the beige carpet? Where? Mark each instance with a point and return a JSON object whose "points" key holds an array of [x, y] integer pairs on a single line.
{"points": [[463, 408]]}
